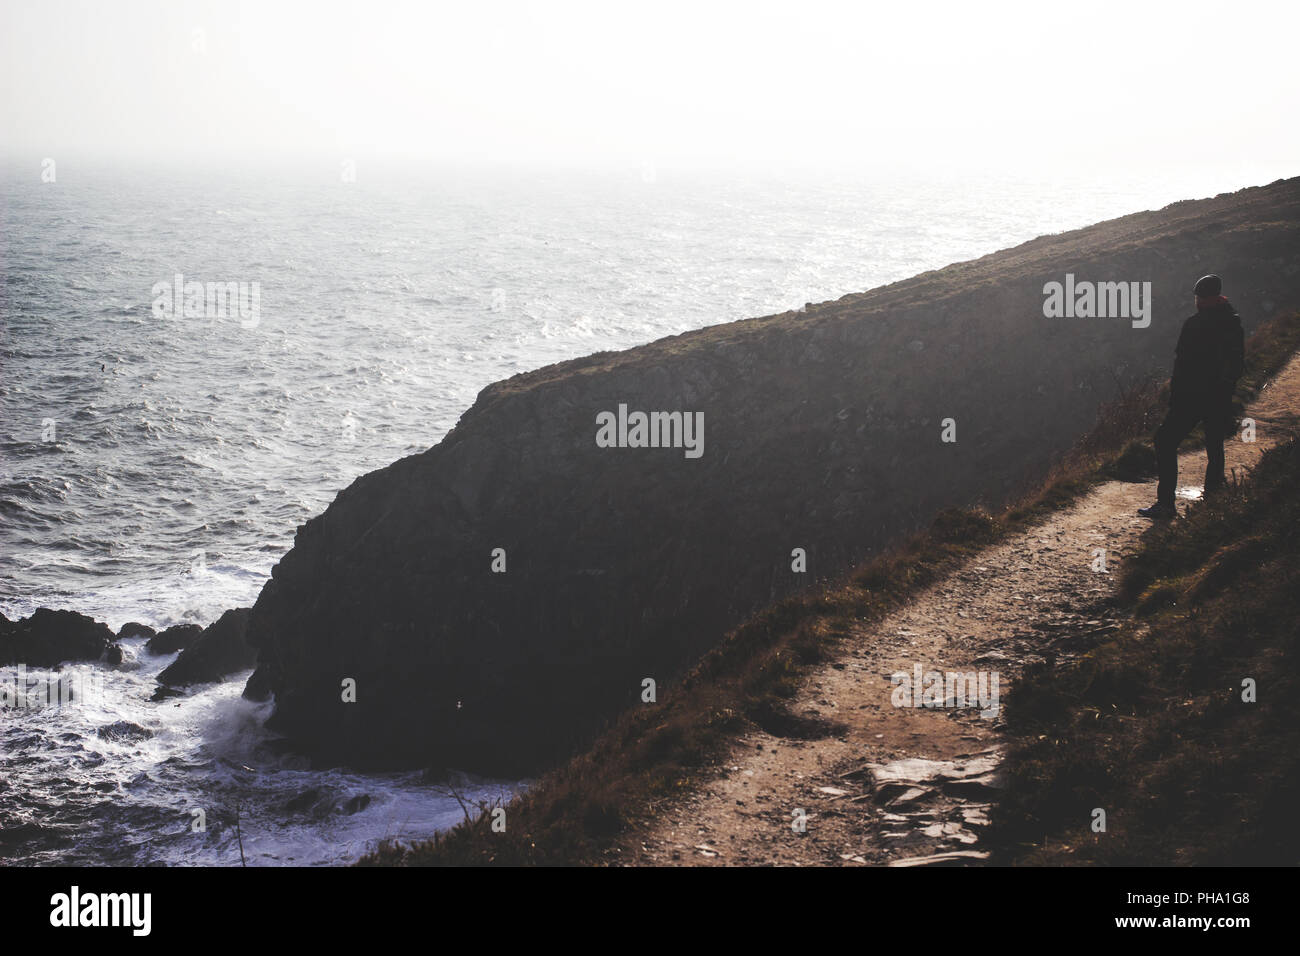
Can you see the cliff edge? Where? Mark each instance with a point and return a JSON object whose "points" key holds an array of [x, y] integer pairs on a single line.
{"points": [[486, 604]]}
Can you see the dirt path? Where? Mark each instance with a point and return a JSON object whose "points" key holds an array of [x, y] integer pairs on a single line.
{"points": [[911, 785]]}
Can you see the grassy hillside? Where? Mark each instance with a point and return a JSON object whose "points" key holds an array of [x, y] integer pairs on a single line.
{"points": [[648, 754], [1152, 727]]}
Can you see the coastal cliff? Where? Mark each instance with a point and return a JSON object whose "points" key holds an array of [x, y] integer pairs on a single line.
{"points": [[489, 602]]}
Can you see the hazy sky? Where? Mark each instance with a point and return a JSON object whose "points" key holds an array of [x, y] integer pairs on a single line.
{"points": [[1034, 85]]}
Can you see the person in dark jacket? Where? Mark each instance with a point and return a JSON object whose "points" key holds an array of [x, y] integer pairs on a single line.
{"points": [[1207, 363]]}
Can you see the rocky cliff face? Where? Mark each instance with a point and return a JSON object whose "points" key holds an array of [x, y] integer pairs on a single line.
{"points": [[213, 653], [822, 431]]}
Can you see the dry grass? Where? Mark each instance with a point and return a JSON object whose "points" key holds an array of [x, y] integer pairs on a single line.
{"points": [[1152, 727]]}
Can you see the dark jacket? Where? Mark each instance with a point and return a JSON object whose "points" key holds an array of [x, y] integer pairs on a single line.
{"points": [[1209, 358]]}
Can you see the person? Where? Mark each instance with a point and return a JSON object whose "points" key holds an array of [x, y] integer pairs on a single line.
{"points": [[1207, 363]]}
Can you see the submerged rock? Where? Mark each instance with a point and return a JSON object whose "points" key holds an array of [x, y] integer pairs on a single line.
{"points": [[48, 638], [219, 651], [356, 804], [123, 730], [305, 801]]}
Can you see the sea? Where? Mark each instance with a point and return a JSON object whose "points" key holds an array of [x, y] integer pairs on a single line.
{"points": [[158, 449]]}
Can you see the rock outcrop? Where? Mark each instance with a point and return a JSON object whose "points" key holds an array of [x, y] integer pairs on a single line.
{"points": [[49, 638], [173, 639], [135, 629], [221, 650], [494, 598]]}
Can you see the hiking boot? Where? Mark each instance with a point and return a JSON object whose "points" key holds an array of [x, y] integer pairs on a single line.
{"points": [[1159, 511]]}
